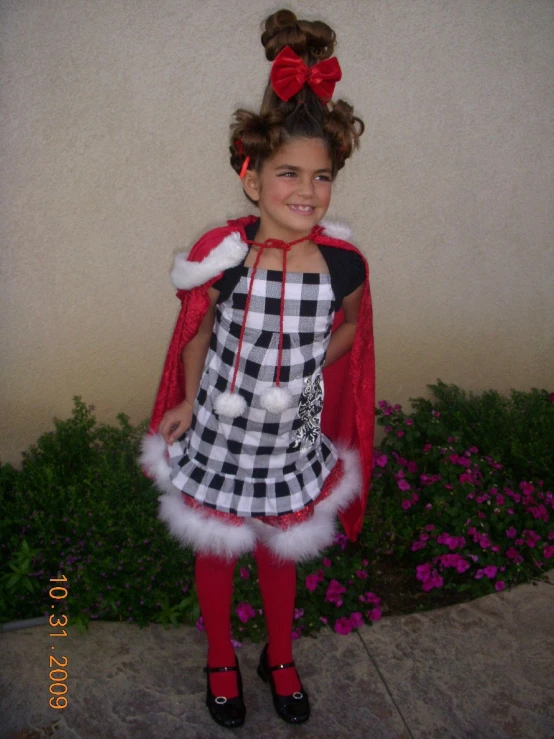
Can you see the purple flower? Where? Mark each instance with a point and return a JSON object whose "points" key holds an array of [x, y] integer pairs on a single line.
{"points": [[406, 504], [343, 625], [334, 591], [298, 613], [381, 460], [511, 532], [245, 612], [356, 619], [244, 573], [490, 571], [200, 624], [499, 585], [374, 614], [312, 581]]}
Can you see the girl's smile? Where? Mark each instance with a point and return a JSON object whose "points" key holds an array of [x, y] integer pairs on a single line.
{"points": [[293, 189]]}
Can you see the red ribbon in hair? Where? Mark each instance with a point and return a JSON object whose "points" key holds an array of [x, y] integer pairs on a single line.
{"points": [[289, 74]]}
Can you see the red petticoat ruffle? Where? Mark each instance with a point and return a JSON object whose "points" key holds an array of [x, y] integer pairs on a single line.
{"points": [[282, 522]]}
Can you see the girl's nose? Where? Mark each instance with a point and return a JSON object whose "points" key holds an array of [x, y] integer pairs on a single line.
{"points": [[306, 186]]}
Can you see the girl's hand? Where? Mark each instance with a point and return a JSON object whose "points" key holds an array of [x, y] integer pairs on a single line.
{"points": [[176, 421]]}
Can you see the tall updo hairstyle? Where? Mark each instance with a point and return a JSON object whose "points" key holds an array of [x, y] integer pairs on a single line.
{"points": [[259, 135]]}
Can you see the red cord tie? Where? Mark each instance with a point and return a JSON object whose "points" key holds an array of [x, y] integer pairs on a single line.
{"points": [[275, 399]]}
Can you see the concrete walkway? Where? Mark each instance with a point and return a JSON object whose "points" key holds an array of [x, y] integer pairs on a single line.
{"points": [[482, 670]]}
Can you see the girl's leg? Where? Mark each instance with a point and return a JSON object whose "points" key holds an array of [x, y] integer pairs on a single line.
{"points": [[278, 588], [214, 585]]}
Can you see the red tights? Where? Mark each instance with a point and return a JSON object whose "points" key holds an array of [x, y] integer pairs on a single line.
{"points": [[214, 585]]}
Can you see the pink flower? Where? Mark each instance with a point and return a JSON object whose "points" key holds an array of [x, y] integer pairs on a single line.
{"points": [[296, 633], [200, 624], [362, 574], [531, 537], [514, 555], [462, 565], [400, 434], [403, 484], [381, 460], [551, 396], [374, 615], [436, 414], [490, 571], [423, 571], [511, 532], [430, 527], [370, 598], [244, 573], [326, 562], [548, 551], [245, 612], [499, 585], [409, 421], [406, 504], [312, 581], [298, 613], [356, 619], [343, 625], [323, 620], [427, 448], [434, 581], [341, 540], [334, 591]]}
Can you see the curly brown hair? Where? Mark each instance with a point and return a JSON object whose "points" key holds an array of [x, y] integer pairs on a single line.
{"points": [[260, 135]]}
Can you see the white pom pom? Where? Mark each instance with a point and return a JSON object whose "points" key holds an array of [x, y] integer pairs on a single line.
{"points": [[230, 405], [276, 399]]}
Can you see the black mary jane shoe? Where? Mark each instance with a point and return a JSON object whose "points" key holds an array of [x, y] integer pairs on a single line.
{"points": [[227, 712], [295, 708]]}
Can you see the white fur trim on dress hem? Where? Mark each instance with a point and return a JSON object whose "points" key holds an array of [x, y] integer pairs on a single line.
{"points": [[210, 535], [229, 253]]}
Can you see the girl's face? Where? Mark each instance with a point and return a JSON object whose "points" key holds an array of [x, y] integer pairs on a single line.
{"points": [[293, 189]]}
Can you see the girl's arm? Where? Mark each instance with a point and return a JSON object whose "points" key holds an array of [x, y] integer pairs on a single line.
{"points": [[342, 339], [177, 420]]}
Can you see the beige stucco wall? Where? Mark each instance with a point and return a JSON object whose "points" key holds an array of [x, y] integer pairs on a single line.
{"points": [[114, 133]]}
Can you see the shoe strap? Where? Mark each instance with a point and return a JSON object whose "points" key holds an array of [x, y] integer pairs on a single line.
{"points": [[220, 669], [282, 667]]}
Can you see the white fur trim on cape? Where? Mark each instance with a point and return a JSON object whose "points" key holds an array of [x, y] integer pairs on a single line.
{"points": [[336, 230], [229, 253], [205, 533]]}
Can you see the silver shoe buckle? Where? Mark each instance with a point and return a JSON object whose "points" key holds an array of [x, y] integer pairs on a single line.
{"points": [[221, 700], [297, 696]]}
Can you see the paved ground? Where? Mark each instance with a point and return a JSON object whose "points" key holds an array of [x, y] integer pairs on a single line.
{"points": [[482, 670]]}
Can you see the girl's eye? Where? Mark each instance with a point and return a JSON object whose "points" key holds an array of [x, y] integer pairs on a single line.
{"points": [[287, 174], [324, 178]]}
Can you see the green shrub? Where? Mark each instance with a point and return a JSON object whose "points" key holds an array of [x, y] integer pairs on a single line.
{"points": [[461, 503]]}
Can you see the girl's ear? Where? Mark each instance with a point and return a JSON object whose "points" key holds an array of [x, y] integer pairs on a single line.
{"points": [[251, 184]]}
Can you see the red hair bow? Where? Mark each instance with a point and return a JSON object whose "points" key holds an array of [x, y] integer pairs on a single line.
{"points": [[289, 74]]}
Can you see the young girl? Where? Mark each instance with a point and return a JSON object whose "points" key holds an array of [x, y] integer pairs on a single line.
{"points": [[249, 455]]}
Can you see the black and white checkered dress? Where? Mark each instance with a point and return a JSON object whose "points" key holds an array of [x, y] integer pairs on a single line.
{"points": [[262, 463]]}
